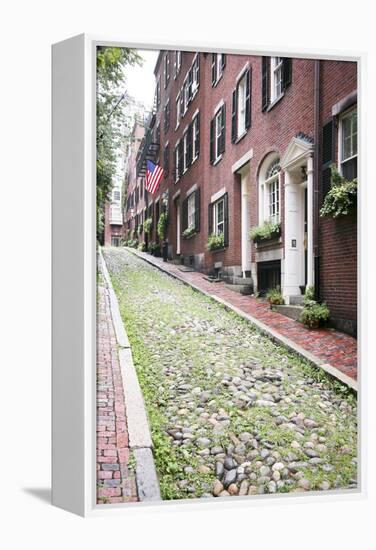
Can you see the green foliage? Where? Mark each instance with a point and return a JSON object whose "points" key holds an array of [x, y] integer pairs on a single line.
{"points": [[309, 295], [314, 314], [189, 232], [141, 247], [153, 247], [110, 119], [132, 243], [148, 224], [162, 225], [216, 242], [342, 196], [275, 297], [265, 231], [139, 230]]}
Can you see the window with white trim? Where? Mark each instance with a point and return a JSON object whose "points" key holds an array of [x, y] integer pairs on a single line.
{"points": [[349, 144], [166, 62], [218, 64], [116, 195], [178, 113], [242, 93], [177, 63], [195, 137], [219, 217], [217, 134], [276, 81], [269, 191], [177, 161], [185, 92], [185, 152], [191, 205], [195, 75], [158, 93]]}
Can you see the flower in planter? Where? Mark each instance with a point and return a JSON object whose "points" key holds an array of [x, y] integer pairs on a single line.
{"points": [[341, 198], [313, 314], [189, 232], [274, 297], [216, 241], [265, 232]]}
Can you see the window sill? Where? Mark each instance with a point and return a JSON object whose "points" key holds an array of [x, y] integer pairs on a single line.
{"points": [[218, 80], [190, 236], [241, 137], [218, 250], [268, 242], [274, 102], [217, 160]]}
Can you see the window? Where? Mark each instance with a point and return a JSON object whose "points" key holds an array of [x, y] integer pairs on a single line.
{"points": [[177, 63], [241, 107], [217, 135], [178, 113], [116, 195], [218, 217], [158, 93], [218, 64], [185, 151], [185, 94], [276, 77], [191, 211], [166, 69], [195, 137], [195, 76], [177, 162], [269, 191], [166, 116], [115, 240], [349, 144]]}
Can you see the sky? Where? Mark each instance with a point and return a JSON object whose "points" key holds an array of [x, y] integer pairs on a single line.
{"points": [[140, 80]]}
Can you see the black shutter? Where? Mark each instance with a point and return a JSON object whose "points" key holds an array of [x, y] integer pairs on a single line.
{"points": [[213, 68], [190, 144], [265, 82], [184, 214], [225, 214], [327, 153], [248, 91], [197, 210], [181, 151], [212, 122], [223, 61], [210, 218], [234, 132], [286, 72], [190, 80], [197, 136], [222, 139]]}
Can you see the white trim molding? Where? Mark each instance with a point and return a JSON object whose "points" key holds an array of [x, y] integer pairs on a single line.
{"points": [[218, 194], [239, 164]]}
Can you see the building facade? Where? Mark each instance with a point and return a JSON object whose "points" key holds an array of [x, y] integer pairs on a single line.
{"points": [[247, 142]]}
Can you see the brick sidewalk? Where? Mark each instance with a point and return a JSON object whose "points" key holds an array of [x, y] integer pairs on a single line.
{"points": [[331, 346], [115, 481]]}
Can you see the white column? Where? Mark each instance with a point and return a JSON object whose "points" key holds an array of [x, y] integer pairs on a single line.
{"points": [[178, 228], [293, 240], [310, 264], [245, 222]]}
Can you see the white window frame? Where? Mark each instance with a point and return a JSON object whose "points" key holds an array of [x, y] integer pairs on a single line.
{"points": [[166, 69], [191, 208], [178, 113], [177, 62], [185, 151], [241, 105], [176, 153], [185, 92], [216, 222], [158, 92], [218, 67], [276, 78], [347, 114], [217, 127], [114, 195], [194, 130], [269, 205], [195, 70]]}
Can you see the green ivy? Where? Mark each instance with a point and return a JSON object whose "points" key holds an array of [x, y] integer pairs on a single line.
{"points": [[148, 224], [342, 196], [265, 231], [162, 225]]}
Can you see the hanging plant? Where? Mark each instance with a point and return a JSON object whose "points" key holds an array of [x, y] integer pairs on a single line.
{"points": [[162, 225], [341, 198]]}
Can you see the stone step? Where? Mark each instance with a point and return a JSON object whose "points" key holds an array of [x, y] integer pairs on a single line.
{"points": [[242, 289], [296, 300], [293, 312]]}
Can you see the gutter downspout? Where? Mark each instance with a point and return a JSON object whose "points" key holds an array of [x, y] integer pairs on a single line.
{"points": [[316, 177]]}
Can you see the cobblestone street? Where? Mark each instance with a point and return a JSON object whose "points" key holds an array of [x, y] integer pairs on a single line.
{"points": [[115, 478], [231, 413]]}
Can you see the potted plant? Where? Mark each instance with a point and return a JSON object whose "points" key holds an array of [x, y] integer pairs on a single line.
{"points": [[148, 224], [189, 232], [265, 232], [313, 314], [341, 198], [162, 225], [216, 242], [274, 297]]}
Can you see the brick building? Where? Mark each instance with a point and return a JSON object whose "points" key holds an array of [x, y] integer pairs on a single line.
{"points": [[248, 140]]}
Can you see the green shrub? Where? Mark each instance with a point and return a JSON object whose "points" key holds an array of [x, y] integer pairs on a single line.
{"points": [[314, 314], [274, 297], [309, 295], [162, 225], [265, 231], [139, 230], [148, 224], [153, 247], [141, 247], [189, 232], [342, 196], [216, 241], [132, 243]]}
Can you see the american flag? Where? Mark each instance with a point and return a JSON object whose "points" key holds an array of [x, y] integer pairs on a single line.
{"points": [[154, 175]]}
